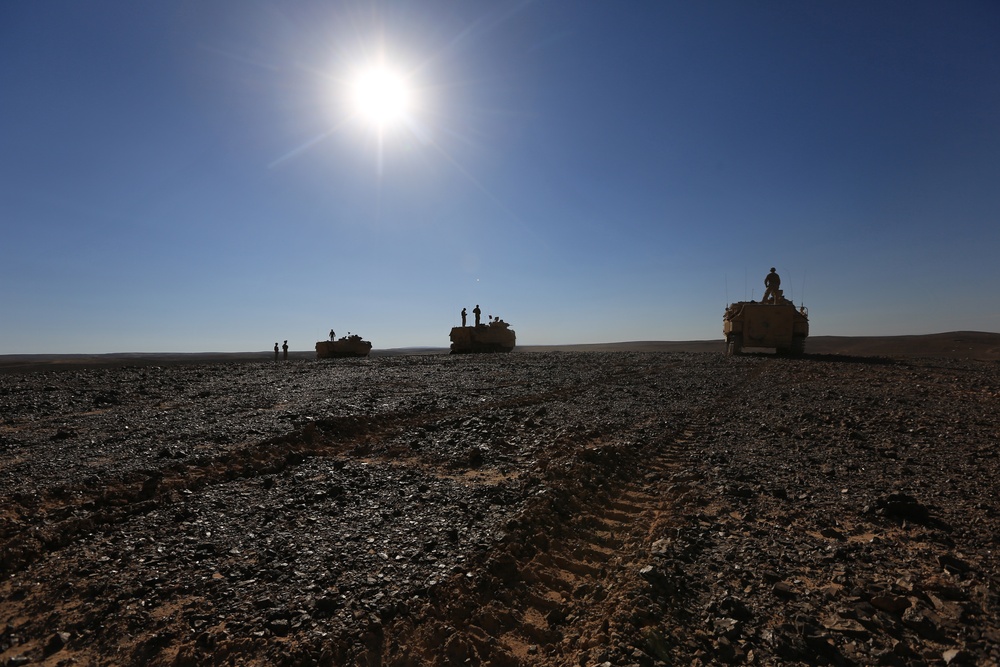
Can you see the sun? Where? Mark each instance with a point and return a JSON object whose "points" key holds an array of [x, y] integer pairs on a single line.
{"points": [[381, 96]]}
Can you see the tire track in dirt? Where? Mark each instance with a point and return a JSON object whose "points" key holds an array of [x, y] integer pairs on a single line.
{"points": [[543, 597], [570, 582], [32, 525], [626, 530], [51, 519], [573, 580]]}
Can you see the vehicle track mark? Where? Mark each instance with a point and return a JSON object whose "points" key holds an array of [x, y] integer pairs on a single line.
{"points": [[51, 519], [547, 601]]}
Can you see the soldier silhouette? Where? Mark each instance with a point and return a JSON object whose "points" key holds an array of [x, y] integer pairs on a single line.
{"points": [[463, 316], [478, 313], [771, 282], [285, 348], [275, 351], [333, 336]]}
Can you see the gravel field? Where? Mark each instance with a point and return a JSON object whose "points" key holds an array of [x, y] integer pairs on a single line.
{"points": [[548, 508]]}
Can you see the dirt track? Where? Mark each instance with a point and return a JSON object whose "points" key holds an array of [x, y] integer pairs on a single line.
{"points": [[530, 509]]}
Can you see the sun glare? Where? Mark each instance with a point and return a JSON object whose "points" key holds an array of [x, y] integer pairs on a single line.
{"points": [[381, 97]]}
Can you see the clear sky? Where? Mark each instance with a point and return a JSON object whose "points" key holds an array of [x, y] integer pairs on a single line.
{"points": [[195, 175]]}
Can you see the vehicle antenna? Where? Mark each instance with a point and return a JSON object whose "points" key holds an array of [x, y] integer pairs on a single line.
{"points": [[802, 294]]}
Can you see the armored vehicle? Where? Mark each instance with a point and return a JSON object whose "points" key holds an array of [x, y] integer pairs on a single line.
{"points": [[776, 323], [347, 346], [497, 336]]}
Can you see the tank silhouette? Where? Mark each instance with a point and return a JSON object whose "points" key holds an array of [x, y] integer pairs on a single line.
{"points": [[346, 346], [776, 324], [497, 336]]}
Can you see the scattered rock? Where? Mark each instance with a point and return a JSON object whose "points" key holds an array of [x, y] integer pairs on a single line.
{"points": [[543, 509]]}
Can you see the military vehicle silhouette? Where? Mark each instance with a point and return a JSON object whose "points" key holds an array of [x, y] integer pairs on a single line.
{"points": [[346, 346], [497, 336], [776, 324]]}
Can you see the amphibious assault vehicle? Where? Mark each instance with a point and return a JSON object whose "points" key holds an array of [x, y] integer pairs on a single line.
{"points": [[497, 336], [347, 346], [776, 323]]}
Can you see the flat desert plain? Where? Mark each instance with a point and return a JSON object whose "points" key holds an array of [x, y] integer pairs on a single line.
{"points": [[632, 504]]}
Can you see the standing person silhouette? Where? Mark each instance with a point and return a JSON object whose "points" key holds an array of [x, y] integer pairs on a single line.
{"points": [[771, 282], [285, 348], [463, 316], [478, 313], [275, 351]]}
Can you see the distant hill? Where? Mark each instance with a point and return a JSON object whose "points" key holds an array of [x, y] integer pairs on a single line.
{"points": [[955, 344]]}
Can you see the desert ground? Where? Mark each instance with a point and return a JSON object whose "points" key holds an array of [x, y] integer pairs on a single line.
{"points": [[624, 504]]}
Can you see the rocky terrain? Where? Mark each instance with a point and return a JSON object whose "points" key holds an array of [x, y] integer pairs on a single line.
{"points": [[551, 508]]}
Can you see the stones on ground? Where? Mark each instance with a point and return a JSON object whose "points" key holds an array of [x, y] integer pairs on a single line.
{"points": [[320, 513]]}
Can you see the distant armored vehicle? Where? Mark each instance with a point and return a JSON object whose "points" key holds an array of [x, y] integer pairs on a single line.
{"points": [[347, 346], [776, 324], [497, 336]]}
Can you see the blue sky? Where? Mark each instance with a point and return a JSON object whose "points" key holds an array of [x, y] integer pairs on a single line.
{"points": [[187, 176]]}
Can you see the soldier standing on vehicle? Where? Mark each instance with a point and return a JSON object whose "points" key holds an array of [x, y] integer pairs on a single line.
{"points": [[464, 315], [478, 313], [771, 282]]}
